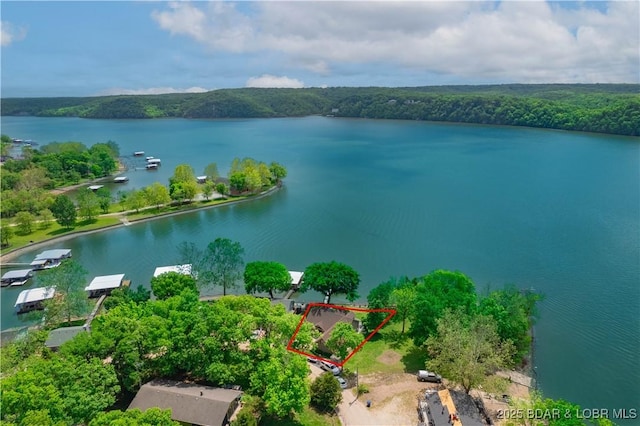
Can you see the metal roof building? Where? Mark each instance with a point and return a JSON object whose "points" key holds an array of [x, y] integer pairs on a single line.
{"points": [[181, 269], [104, 284]]}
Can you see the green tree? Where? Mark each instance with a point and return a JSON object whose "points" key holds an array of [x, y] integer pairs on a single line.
{"points": [[157, 194], [6, 233], [33, 178], [104, 199], [181, 191], [121, 197], [238, 181], [403, 299], [124, 295], [71, 389], [183, 173], [569, 412], [281, 381], [88, 204], [24, 222], [207, 190], [344, 340], [190, 190], [223, 260], [136, 200], [45, 218], [222, 189], [150, 417], [211, 171], [172, 283], [466, 350], [325, 392], [64, 211], [266, 277], [435, 292], [331, 278], [278, 172], [69, 280], [380, 298]]}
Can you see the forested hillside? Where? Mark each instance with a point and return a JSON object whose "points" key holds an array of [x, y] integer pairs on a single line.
{"points": [[601, 108]]}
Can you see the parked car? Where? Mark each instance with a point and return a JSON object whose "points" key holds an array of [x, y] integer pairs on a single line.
{"points": [[327, 366], [429, 376], [343, 382], [312, 360]]}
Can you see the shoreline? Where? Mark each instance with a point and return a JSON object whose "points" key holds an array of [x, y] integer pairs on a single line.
{"points": [[7, 257]]}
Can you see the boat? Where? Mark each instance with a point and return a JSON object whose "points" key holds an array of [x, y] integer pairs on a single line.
{"points": [[121, 179], [138, 153], [154, 161], [149, 158], [151, 166]]}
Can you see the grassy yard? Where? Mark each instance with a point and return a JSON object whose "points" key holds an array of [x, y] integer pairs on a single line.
{"points": [[148, 212], [309, 417], [18, 241], [388, 351], [54, 230]]}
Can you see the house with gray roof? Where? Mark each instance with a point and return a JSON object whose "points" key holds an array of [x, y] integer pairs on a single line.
{"points": [[325, 319], [189, 403]]}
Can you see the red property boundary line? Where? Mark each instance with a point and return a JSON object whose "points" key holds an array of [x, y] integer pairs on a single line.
{"points": [[391, 313]]}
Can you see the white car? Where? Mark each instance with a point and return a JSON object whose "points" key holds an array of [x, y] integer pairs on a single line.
{"points": [[343, 382], [327, 366]]}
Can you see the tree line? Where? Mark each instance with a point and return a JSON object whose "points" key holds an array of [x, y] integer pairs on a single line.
{"points": [[601, 108]]}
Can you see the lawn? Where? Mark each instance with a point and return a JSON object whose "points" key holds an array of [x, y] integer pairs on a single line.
{"points": [[54, 230], [309, 417], [368, 359]]}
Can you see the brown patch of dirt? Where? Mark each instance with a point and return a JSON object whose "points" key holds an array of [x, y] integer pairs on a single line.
{"points": [[389, 357]]}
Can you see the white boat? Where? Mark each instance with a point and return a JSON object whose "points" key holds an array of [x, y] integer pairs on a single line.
{"points": [[151, 166], [138, 153], [149, 158], [154, 161]]}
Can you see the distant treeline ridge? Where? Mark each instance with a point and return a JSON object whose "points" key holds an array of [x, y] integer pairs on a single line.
{"points": [[600, 108]]}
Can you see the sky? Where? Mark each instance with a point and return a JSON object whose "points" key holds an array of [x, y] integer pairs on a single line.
{"points": [[90, 48]]}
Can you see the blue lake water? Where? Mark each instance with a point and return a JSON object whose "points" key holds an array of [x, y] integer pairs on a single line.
{"points": [[556, 211]]}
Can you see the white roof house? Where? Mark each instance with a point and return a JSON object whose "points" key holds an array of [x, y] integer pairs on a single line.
{"points": [[181, 269], [296, 278], [104, 284], [29, 299], [55, 254]]}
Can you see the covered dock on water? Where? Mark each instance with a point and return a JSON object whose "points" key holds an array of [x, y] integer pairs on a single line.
{"points": [[180, 269], [104, 284], [50, 258], [16, 277], [33, 298]]}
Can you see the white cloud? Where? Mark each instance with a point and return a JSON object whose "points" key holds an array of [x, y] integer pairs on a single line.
{"points": [[267, 80], [150, 91], [509, 41], [10, 33]]}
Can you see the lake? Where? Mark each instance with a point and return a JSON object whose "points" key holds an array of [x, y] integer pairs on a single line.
{"points": [[555, 211]]}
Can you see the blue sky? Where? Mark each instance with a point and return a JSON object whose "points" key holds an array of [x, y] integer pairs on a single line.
{"points": [[86, 48]]}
